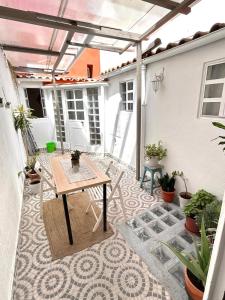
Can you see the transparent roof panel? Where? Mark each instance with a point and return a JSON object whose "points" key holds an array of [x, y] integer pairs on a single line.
{"points": [[28, 35], [135, 16], [18, 59], [41, 6], [110, 13]]}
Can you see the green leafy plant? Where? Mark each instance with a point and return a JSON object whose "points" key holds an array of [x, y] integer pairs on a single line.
{"points": [[167, 182], [221, 126], [155, 150], [211, 214], [21, 117], [31, 162], [198, 265], [75, 155], [198, 202]]}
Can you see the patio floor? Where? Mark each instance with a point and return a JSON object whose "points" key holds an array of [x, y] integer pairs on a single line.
{"points": [[109, 270]]}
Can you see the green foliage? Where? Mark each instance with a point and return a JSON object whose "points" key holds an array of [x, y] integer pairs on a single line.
{"points": [[198, 265], [32, 161], [75, 155], [198, 202], [21, 117], [221, 126], [167, 183], [153, 150], [211, 214]]}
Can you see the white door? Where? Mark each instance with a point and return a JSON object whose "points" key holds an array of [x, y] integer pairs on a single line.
{"points": [[76, 123]]}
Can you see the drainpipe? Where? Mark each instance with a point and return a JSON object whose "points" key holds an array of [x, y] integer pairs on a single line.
{"points": [[143, 112], [138, 109], [57, 112]]}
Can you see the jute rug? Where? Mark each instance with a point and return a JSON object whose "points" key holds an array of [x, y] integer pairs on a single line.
{"points": [[81, 224]]}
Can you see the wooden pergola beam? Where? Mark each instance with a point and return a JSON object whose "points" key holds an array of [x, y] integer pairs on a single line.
{"points": [[29, 50], [100, 47], [169, 4]]}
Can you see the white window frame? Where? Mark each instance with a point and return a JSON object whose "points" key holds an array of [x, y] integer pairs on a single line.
{"points": [[126, 93], [74, 100], [211, 100]]}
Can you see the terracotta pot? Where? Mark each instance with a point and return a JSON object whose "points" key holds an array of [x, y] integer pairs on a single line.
{"points": [[33, 175], [184, 199], [191, 225], [192, 290], [167, 196]]}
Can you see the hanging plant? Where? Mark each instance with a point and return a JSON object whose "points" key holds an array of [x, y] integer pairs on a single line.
{"points": [[21, 117]]}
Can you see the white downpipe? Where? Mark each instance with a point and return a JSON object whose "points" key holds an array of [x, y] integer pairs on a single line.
{"points": [[143, 112], [214, 290]]}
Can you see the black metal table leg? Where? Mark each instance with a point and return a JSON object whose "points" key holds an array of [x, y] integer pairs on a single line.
{"points": [[104, 208], [67, 219]]}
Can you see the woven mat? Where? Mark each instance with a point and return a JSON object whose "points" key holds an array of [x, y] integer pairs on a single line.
{"points": [[81, 223], [77, 173]]}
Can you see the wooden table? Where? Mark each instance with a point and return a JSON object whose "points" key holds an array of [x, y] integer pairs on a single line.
{"points": [[63, 186]]}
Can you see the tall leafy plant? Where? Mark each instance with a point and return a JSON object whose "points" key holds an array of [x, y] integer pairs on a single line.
{"points": [[198, 265], [22, 117], [167, 182]]}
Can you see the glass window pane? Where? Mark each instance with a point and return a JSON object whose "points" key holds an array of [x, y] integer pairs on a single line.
{"points": [[123, 87], [123, 97], [130, 96], [216, 71], [80, 115], [211, 108], [71, 115], [213, 90], [130, 106], [123, 106], [69, 95], [78, 94], [79, 105], [70, 104], [130, 85]]}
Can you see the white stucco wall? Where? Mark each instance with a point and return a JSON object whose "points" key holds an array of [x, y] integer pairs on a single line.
{"points": [[171, 116], [120, 126], [11, 186]]}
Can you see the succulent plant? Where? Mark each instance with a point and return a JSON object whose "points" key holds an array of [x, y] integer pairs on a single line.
{"points": [[167, 183]]}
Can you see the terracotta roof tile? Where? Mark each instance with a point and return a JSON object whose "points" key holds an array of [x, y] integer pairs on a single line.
{"points": [[182, 41]]}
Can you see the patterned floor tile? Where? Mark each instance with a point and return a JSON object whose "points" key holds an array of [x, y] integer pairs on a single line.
{"points": [[109, 270]]}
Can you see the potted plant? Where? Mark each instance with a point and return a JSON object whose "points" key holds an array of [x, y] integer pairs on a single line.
{"points": [[75, 158], [184, 197], [154, 153], [197, 203], [167, 187], [197, 266], [30, 168], [22, 117], [211, 214]]}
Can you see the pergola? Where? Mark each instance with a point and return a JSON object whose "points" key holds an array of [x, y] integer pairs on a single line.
{"points": [[54, 33]]}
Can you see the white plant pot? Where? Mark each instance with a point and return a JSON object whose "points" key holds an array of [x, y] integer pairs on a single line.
{"points": [[152, 162], [183, 202], [35, 187]]}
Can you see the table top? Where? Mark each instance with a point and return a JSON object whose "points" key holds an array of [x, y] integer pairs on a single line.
{"points": [[63, 186]]}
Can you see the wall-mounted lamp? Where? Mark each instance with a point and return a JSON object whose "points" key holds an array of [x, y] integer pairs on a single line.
{"points": [[157, 79]]}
